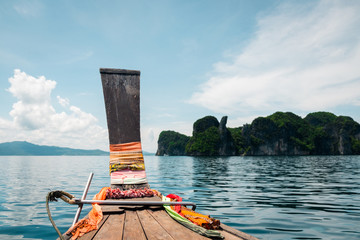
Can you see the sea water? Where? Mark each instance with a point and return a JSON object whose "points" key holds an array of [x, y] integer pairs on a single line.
{"points": [[315, 197]]}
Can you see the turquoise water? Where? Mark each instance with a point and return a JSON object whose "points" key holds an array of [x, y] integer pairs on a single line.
{"points": [[268, 197]]}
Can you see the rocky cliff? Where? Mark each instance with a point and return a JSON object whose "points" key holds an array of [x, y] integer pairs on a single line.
{"points": [[227, 144], [171, 143], [319, 133], [210, 138], [282, 133]]}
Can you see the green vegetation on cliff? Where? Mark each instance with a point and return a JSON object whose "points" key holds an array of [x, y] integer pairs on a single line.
{"points": [[172, 143], [295, 130], [239, 140], [355, 145], [204, 143], [205, 123], [320, 119], [211, 138], [206, 137], [282, 133]]}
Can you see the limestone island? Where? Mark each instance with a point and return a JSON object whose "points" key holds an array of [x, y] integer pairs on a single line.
{"points": [[282, 133]]}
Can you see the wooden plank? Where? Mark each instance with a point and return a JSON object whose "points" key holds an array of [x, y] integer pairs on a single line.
{"points": [[175, 229], [132, 228], [153, 230], [90, 235], [107, 209], [238, 233], [119, 71], [121, 90], [120, 208], [229, 236], [122, 102], [113, 228]]}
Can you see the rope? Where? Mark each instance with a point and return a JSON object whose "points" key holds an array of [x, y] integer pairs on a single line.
{"points": [[52, 197]]}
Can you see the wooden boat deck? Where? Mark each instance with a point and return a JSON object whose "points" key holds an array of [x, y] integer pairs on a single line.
{"points": [[141, 222]]}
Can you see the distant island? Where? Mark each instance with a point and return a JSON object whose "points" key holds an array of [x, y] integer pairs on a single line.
{"points": [[22, 148], [282, 133]]}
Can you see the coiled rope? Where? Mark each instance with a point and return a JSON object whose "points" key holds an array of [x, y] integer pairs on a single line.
{"points": [[52, 197]]}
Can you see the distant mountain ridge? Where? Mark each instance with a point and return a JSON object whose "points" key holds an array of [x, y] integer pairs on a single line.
{"points": [[23, 148]]}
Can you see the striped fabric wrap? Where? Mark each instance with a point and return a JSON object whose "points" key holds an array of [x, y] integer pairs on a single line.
{"points": [[127, 164]]}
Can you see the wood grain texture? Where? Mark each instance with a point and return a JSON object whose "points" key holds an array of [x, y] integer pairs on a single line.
{"points": [[133, 228], [153, 230], [140, 223], [175, 229], [237, 233], [229, 236], [112, 228], [121, 90], [119, 71]]}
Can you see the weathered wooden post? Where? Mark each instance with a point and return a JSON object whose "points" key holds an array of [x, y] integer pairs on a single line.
{"points": [[122, 102]]}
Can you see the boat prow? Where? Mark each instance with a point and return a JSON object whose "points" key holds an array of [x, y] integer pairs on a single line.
{"points": [[136, 219], [148, 222]]}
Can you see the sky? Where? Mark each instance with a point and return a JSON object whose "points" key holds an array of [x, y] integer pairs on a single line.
{"points": [[241, 59]]}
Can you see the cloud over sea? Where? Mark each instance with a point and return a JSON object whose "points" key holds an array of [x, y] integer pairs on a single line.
{"points": [[34, 117]]}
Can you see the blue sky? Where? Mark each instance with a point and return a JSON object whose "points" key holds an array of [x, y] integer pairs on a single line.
{"points": [[242, 59]]}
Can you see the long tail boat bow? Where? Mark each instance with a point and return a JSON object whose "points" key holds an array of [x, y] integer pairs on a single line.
{"points": [[122, 102], [126, 217]]}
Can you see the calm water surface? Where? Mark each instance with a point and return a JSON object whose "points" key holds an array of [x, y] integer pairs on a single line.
{"points": [[268, 197]]}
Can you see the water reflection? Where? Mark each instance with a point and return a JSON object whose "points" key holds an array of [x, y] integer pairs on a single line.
{"points": [[210, 172], [269, 197], [24, 183], [170, 174]]}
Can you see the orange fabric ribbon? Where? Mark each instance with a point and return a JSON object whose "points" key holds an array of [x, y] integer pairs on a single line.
{"points": [[94, 218], [126, 147]]}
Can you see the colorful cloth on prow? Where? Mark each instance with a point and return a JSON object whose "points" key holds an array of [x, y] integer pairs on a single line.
{"points": [[199, 223], [127, 164], [94, 218], [199, 219]]}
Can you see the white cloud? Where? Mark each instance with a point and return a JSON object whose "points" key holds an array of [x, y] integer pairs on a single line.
{"points": [[34, 119], [33, 108], [63, 101], [148, 139], [303, 57]]}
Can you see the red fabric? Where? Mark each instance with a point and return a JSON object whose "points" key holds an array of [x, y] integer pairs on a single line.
{"points": [[178, 199]]}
